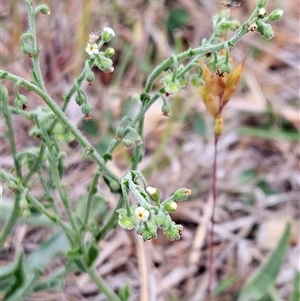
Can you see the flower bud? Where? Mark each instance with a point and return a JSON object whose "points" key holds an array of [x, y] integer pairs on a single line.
{"points": [[153, 193], [109, 52], [26, 213], [182, 194], [262, 3], [170, 206], [107, 34], [44, 9], [23, 204], [275, 15], [27, 44], [145, 97]]}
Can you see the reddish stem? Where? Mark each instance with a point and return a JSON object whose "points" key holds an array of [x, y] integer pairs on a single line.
{"points": [[211, 269]]}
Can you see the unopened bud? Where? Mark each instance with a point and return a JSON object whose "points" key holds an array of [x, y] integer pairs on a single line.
{"points": [[182, 194], [107, 34], [275, 15], [109, 52], [153, 193], [262, 3]]}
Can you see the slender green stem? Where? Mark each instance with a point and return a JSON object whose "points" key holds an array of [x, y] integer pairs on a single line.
{"points": [[92, 191], [103, 287], [14, 215], [110, 222], [11, 137], [89, 149]]}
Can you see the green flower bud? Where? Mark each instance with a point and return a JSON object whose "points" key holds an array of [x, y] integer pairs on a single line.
{"points": [[275, 15], [173, 232], [12, 186], [171, 87], [120, 132], [21, 102], [107, 34], [23, 204], [145, 97], [234, 25], [262, 3], [26, 213], [153, 193], [170, 206], [27, 44], [109, 52], [86, 108], [44, 9], [182, 194]]}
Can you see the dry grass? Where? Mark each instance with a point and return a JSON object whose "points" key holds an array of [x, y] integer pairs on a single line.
{"points": [[251, 210]]}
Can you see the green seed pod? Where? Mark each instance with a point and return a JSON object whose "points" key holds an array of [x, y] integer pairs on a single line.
{"points": [[86, 108], [275, 15], [80, 97], [90, 76], [173, 232], [21, 102], [165, 110]]}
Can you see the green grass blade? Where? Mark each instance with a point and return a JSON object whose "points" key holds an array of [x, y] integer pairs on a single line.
{"points": [[295, 296], [266, 275]]}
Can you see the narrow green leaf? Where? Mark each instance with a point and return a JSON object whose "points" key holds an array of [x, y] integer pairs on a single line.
{"points": [[93, 252], [124, 292], [295, 296], [265, 276], [19, 277]]}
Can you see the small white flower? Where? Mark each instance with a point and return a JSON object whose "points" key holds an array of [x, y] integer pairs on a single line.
{"points": [[109, 30], [141, 214], [92, 48]]}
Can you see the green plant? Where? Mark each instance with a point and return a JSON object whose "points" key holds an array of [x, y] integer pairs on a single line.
{"points": [[217, 84]]}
